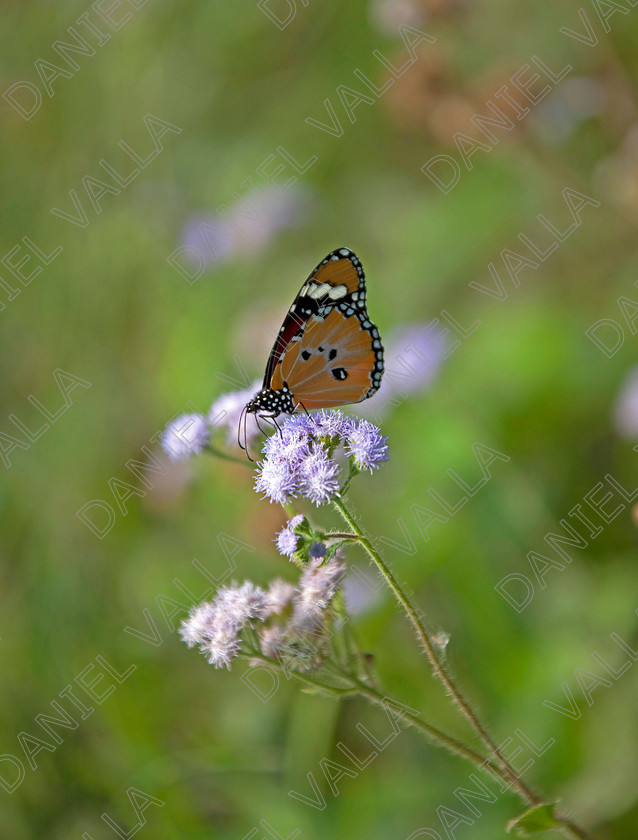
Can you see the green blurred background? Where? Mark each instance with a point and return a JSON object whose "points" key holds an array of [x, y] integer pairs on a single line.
{"points": [[110, 310]]}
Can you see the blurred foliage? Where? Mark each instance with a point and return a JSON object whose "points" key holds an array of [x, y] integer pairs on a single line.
{"points": [[529, 382]]}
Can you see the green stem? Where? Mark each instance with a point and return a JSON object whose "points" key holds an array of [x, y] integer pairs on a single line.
{"points": [[430, 732], [503, 768], [226, 456], [428, 646], [357, 687], [570, 829], [304, 678], [567, 827]]}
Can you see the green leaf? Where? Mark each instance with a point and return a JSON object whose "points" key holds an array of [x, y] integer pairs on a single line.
{"points": [[537, 819]]}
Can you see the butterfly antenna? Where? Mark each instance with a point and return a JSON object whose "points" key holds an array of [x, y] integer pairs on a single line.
{"points": [[246, 436], [241, 417]]}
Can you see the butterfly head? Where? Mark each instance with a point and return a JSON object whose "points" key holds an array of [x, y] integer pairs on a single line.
{"points": [[265, 405], [268, 403]]}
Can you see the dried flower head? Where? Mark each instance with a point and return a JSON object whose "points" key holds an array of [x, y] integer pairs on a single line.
{"points": [[215, 626], [278, 597], [318, 585]]}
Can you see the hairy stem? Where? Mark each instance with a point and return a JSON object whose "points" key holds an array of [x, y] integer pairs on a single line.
{"points": [[500, 764], [438, 668], [357, 687], [226, 456]]}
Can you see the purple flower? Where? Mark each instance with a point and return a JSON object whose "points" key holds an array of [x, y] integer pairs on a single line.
{"points": [[226, 411], [367, 445], [185, 436], [297, 462], [332, 423], [277, 480], [301, 423], [247, 227], [287, 539], [290, 446], [265, 211], [207, 240], [318, 473]]}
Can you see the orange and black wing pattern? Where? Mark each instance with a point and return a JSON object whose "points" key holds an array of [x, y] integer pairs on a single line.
{"points": [[338, 276], [332, 363], [328, 352]]}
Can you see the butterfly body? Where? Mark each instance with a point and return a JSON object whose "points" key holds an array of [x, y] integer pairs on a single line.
{"points": [[328, 352]]}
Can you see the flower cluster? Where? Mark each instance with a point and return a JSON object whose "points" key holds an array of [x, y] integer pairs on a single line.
{"points": [[188, 434], [300, 542], [287, 538], [226, 411], [281, 618], [299, 460], [215, 625]]}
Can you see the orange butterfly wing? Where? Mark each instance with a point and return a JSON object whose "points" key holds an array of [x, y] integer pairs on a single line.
{"points": [[338, 277], [332, 363], [328, 351]]}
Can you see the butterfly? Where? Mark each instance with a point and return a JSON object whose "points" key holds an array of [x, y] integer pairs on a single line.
{"points": [[327, 352]]}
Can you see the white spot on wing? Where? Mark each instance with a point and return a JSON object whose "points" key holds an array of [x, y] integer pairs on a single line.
{"points": [[319, 291], [337, 292]]}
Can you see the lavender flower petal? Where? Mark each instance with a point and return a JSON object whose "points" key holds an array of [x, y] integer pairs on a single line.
{"points": [[318, 474], [185, 436], [367, 445], [276, 480], [226, 411]]}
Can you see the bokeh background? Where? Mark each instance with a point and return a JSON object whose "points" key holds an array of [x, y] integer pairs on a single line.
{"points": [[233, 84]]}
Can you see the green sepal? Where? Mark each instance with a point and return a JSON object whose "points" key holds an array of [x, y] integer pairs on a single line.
{"points": [[532, 822]]}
